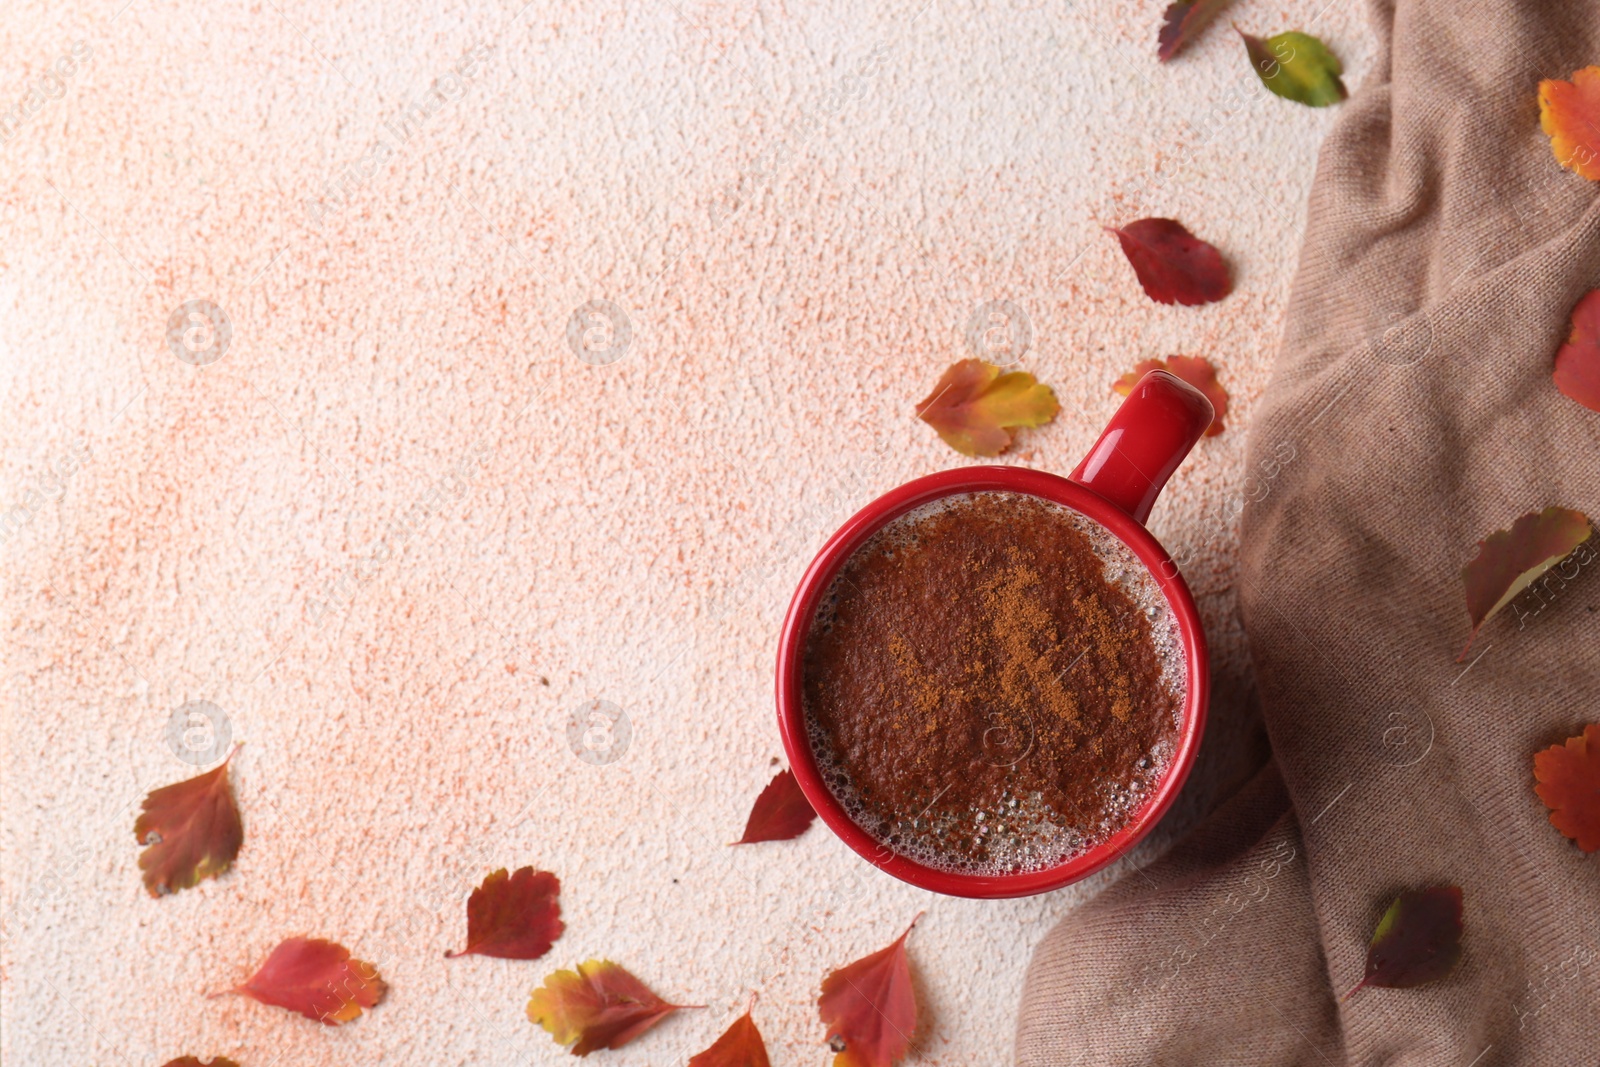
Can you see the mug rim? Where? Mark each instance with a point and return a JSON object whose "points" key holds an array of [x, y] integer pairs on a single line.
{"points": [[890, 506]]}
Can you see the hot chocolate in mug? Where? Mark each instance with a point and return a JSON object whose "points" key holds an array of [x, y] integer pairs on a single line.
{"points": [[1114, 487]]}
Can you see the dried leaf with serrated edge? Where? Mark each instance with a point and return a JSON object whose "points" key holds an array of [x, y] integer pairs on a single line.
{"points": [[194, 1061], [780, 813], [1508, 561], [869, 1008], [1296, 66], [599, 1005], [1172, 264], [513, 917], [975, 407], [1569, 112], [1417, 940], [1568, 778], [316, 978], [1196, 370], [1183, 22], [740, 1045], [190, 830], [1577, 373]]}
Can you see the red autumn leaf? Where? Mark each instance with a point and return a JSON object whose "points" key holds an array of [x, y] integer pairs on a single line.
{"points": [[598, 1006], [513, 917], [740, 1046], [1173, 265], [1568, 779], [1569, 112], [869, 1009], [1182, 24], [1417, 940], [316, 978], [1196, 370], [1577, 372], [780, 813], [975, 407], [194, 1061], [190, 830], [1508, 561]]}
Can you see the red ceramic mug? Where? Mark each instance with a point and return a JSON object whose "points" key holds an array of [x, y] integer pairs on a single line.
{"points": [[1115, 485]]}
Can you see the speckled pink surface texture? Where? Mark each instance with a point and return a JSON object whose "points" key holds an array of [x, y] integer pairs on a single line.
{"points": [[400, 531]]}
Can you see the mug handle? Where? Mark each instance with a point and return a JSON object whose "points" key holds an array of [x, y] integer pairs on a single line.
{"points": [[1144, 442]]}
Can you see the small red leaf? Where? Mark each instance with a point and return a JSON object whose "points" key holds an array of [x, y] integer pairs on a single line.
{"points": [[1568, 779], [1196, 370], [194, 1061], [1183, 22], [1577, 373], [1417, 940], [739, 1046], [316, 978], [1508, 561], [598, 1006], [513, 917], [869, 1008], [1173, 265], [780, 813], [191, 831]]}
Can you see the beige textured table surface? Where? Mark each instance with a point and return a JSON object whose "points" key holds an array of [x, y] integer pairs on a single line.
{"points": [[399, 531]]}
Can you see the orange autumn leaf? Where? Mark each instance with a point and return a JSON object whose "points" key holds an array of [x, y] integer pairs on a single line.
{"points": [[1568, 778], [1569, 112], [1508, 561], [869, 1008], [598, 1006], [1196, 370], [975, 407], [316, 978], [740, 1045], [513, 917], [1577, 370], [190, 830], [780, 813]]}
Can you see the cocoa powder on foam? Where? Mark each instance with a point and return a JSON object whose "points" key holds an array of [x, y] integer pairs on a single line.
{"points": [[993, 683]]}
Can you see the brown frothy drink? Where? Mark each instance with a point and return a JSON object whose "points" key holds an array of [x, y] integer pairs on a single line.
{"points": [[993, 684]]}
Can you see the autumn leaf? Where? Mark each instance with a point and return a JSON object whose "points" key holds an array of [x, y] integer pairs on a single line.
{"points": [[598, 1006], [1417, 940], [1173, 265], [190, 830], [740, 1046], [869, 1009], [1196, 370], [1577, 373], [194, 1061], [1183, 22], [513, 917], [1568, 779], [316, 978], [1296, 66], [1569, 113], [781, 812], [975, 407], [1508, 561]]}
